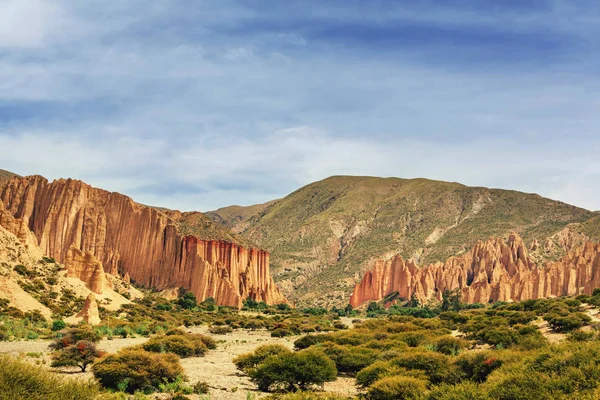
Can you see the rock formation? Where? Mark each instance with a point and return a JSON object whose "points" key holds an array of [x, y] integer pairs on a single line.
{"points": [[496, 270], [92, 230], [90, 313]]}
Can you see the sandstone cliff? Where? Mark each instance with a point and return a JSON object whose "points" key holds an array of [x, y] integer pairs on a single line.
{"points": [[495, 270], [92, 230]]}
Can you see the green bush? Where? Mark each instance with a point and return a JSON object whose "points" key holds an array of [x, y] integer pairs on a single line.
{"points": [[349, 359], [131, 369], [397, 388], [281, 332], [182, 345], [449, 345], [567, 322], [246, 362], [293, 371], [369, 375], [477, 365], [21, 380], [21, 270], [220, 330], [462, 391], [58, 325], [434, 365], [521, 385]]}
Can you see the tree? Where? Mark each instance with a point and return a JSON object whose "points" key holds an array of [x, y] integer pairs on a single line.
{"points": [[451, 300], [413, 302], [188, 301], [348, 310], [72, 336], [80, 354], [293, 371]]}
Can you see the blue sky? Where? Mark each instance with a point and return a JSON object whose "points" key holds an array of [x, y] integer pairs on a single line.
{"points": [[199, 104]]}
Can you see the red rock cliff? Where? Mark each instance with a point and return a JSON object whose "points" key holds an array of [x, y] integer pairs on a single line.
{"points": [[495, 270], [74, 222]]}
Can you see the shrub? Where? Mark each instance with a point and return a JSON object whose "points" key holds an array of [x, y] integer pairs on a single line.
{"points": [[58, 325], [369, 375], [281, 332], [462, 391], [220, 330], [476, 366], [132, 369], [349, 359], [200, 388], [449, 345], [309, 340], [568, 322], [182, 345], [246, 362], [292, 371], [580, 336], [80, 354], [434, 365], [21, 270], [520, 385], [21, 380], [397, 388]]}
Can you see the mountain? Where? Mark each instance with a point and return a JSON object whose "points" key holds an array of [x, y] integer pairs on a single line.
{"points": [[324, 235], [93, 232], [237, 218]]}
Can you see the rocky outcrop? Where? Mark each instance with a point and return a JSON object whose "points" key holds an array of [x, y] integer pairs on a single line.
{"points": [[90, 313], [91, 231], [496, 270]]}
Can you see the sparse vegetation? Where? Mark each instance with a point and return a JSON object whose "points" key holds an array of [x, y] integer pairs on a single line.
{"points": [[130, 370]]}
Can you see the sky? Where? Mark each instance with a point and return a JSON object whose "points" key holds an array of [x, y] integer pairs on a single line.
{"points": [[195, 105]]}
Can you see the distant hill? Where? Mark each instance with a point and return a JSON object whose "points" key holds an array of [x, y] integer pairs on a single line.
{"points": [[235, 217], [322, 235]]}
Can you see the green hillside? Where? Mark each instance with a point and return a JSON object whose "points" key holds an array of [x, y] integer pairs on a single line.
{"points": [[322, 235], [235, 217]]}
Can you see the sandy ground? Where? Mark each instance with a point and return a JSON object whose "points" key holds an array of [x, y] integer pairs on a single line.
{"points": [[216, 368]]}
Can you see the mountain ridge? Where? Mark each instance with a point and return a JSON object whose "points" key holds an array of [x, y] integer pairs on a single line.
{"points": [[323, 235]]}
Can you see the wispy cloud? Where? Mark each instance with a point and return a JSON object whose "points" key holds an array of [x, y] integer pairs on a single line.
{"points": [[200, 104]]}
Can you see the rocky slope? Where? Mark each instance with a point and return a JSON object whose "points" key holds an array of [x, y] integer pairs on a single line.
{"points": [[495, 270], [322, 236], [93, 231], [6, 175]]}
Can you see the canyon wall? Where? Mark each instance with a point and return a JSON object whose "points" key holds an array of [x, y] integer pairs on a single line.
{"points": [[92, 230], [496, 270]]}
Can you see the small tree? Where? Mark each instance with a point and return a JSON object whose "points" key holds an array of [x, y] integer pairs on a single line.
{"points": [[293, 371], [188, 301], [81, 354]]}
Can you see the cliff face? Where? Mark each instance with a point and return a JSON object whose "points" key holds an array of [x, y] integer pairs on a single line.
{"points": [[91, 231], [495, 270]]}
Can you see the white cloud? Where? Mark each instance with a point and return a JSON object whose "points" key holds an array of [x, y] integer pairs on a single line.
{"points": [[27, 23]]}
